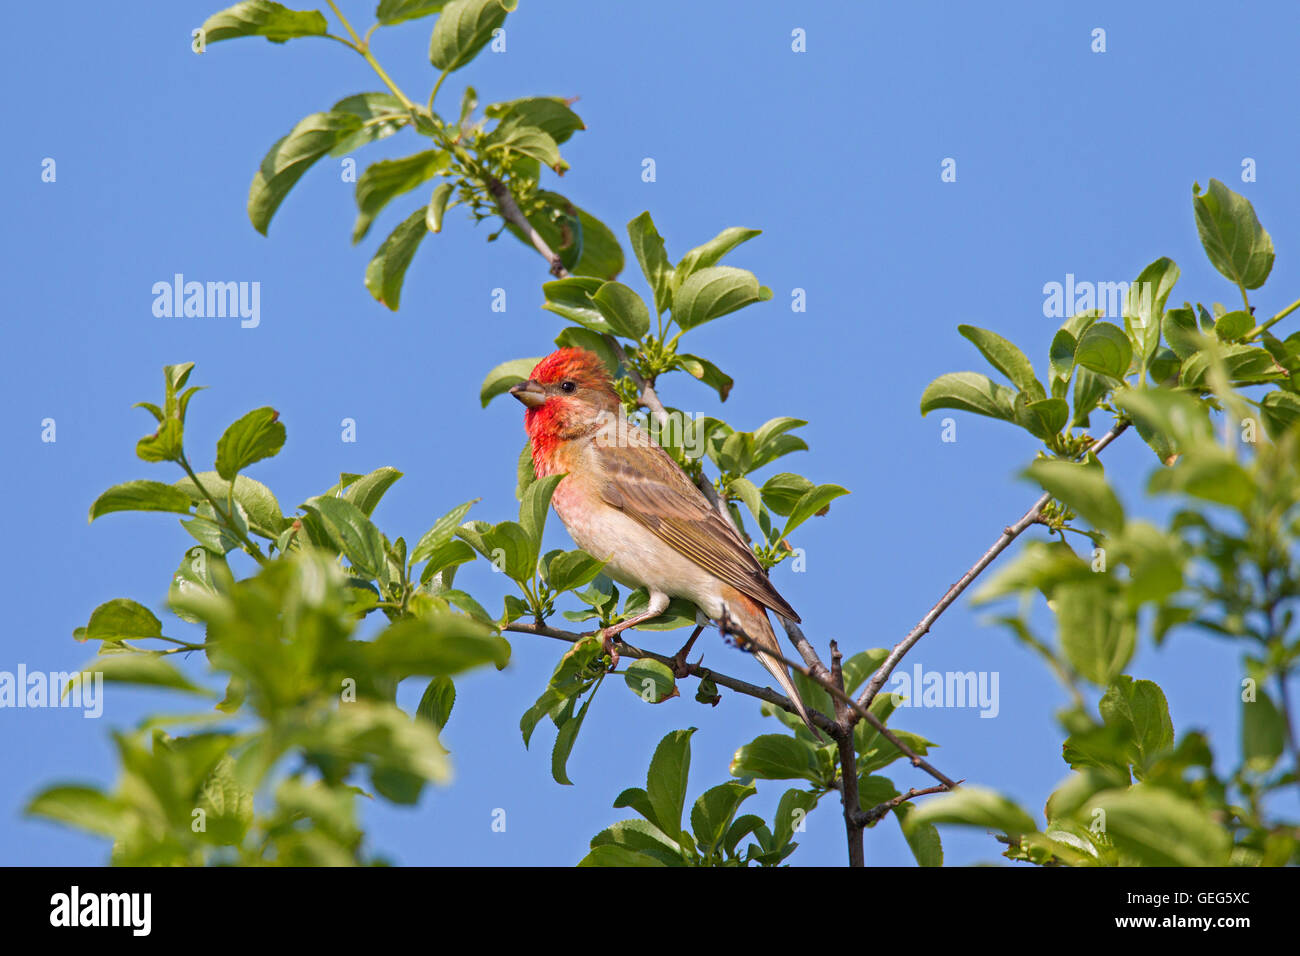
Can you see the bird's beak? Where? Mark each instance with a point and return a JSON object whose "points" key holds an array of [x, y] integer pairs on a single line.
{"points": [[530, 393]]}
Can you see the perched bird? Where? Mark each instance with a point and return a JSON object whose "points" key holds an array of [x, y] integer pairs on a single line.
{"points": [[625, 501]]}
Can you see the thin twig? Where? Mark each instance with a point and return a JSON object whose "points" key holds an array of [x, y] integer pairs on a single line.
{"points": [[512, 214], [865, 818], [1009, 534]]}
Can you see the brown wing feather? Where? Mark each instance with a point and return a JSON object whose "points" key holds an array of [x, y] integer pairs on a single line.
{"points": [[664, 500]]}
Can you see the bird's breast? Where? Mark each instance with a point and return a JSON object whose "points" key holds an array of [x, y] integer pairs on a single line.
{"points": [[634, 556]]}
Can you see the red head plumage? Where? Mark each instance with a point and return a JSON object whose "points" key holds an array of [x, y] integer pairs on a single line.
{"points": [[578, 365], [567, 394]]}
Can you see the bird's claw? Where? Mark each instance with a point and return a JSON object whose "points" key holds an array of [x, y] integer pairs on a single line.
{"points": [[609, 643]]}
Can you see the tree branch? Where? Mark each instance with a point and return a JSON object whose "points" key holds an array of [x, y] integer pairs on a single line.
{"points": [[695, 670], [865, 818], [512, 214], [848, 757], [1009, 534]]}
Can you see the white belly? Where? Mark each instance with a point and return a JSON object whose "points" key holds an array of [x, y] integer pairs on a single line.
{"points": [[635, 556]]}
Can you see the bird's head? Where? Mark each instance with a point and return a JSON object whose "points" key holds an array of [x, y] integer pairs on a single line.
{"points": [[566, 392]]}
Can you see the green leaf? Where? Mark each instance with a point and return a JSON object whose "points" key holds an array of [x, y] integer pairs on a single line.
{"points": [[611, 854], [1244, 364], [1043, 419], [564, 741], [384, 180], [1139, 710], [571, 231], [505, 377], [140, 496], [262, 18], [255, 498], [197, 577], [666, 781], [366, 491], [777, 757], [535, 505], [1233, 325], [791, 811], [1181, 332], [1096, 635], [548, 113], [1061, 357], [1007, 359], [290, 157], [1157, 828], [144, 669], [1234, 240], [622, 309], [1083, 488], [714, 292], [163, 445], [381, 115], [708, 373], [572, 569], [437, 206], [571, 298], [922, 838], [977, 807], [1145, 306], [441, 532], [462, 29], [1105, 348], [650, 680], [1089, 388], [441, 643], [361, 541], [649, 248], [710, 253], [782, 492], [680, 613], [387, 270], [121, 619], [513, 136], [1280, 411], [714, 809], [812, 502], [257, 435], [437, 701], [511, 548], [1263, 732], [398, 11], [445, 556], [1211, 474], [82, 807], [525, 470], [970, 392]]}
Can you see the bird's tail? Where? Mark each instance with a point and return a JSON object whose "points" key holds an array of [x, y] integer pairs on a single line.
{"points": [[751, 626]]}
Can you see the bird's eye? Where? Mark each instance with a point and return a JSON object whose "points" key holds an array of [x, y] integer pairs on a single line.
{"points": [[567, 386]]}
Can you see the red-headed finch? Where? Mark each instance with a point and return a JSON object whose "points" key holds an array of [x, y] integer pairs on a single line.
{"points": [[625, 501]]}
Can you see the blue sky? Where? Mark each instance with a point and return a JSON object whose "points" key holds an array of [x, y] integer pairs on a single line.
{"points": [[1068, 161]]}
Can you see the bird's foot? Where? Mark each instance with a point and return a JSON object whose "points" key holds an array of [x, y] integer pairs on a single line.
{"points": [[610, 644]]}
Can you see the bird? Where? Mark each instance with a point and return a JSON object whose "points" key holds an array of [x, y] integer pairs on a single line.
{"points": [[626, 502]]}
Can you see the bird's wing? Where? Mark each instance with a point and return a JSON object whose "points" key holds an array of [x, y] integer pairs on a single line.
{"points": [[641, 480]]}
